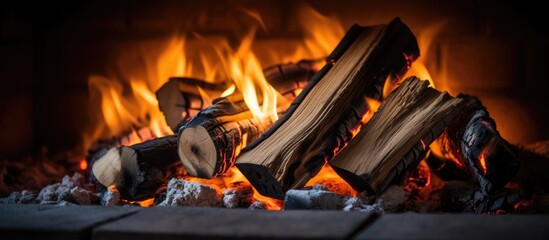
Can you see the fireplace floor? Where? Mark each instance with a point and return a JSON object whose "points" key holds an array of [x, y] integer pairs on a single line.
{"points": [[95, 222]]}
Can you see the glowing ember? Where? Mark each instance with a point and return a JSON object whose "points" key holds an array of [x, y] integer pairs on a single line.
{"points": [[145, 203], [83, 164], [233, 175], [329, 178], [482, 161]]}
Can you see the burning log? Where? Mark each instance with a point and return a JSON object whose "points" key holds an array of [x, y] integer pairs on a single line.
{"points": [[488, 158], [210, 141], [324, 115], [397, 137], [181, 98], [150, 168], [138, 170]]}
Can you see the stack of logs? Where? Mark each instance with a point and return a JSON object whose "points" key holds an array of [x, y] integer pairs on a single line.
{"points": [[211, 135]]}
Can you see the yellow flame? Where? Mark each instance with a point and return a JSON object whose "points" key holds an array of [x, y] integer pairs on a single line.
{"points": [[229, 91], [127, 100], [246, 73]]}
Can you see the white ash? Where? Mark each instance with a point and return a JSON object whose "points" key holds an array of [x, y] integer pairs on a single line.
{"points": [[238, 195], [23, 197], [258, 205], [48, 193], [185, 193], [65, 203], [356, 204], [317, 197], [111, 197], [393, 199], [77, 180], [70, 190]]}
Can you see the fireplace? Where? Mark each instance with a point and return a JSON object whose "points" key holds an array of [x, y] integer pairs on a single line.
{"points": [[80, 78]]}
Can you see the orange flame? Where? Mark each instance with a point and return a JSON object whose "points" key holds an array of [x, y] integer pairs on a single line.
{"points": [[244, 69], [234, 175], [482, 161], [128, 102], [329, 178]]}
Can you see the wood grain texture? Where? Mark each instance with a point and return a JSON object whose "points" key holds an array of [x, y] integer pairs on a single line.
{"points": [[319, 121]]}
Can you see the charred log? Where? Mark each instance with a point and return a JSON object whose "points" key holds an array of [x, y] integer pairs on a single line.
{"points": [[488, 158]]}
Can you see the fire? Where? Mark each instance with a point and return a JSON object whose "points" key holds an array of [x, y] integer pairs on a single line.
{"points": [[329, 178], [145, 203], [127, 99], [245, 71], [234, 175], [482, 162], [439, 151]]}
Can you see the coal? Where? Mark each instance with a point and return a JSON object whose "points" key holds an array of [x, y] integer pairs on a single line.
{"points": [[392, 199]]}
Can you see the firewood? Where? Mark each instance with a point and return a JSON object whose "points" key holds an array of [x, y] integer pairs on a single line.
{"points": [[397, 137], [180, 98], [139, 170], [489, 159], [225, 121], [295, 148], [210, 141]]}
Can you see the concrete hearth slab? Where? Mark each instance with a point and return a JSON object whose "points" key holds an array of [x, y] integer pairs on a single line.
{"points": [[55, 222], [134, 223], [457, 226], [179, 223]]}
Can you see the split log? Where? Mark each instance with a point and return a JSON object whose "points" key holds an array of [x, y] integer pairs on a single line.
{"points": [[295, 148], [180, 98], [397, 137], [210, 141], [139, 170]]}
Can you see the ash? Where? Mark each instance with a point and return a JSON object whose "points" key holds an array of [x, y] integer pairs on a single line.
{"points": [[70, 191], [184, 193], [318, 197]]}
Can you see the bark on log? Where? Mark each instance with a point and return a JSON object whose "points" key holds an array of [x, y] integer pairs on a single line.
{"points": [[489, 160], [210, 142], [179, 99], [397, 137], [139, 170], [475, 141], [297, 145]]}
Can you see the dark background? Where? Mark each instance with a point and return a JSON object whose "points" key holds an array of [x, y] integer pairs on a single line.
{"points": [[496, 50]]}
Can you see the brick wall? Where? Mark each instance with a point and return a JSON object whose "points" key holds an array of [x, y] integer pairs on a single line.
{"points": [[493, 50]]}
